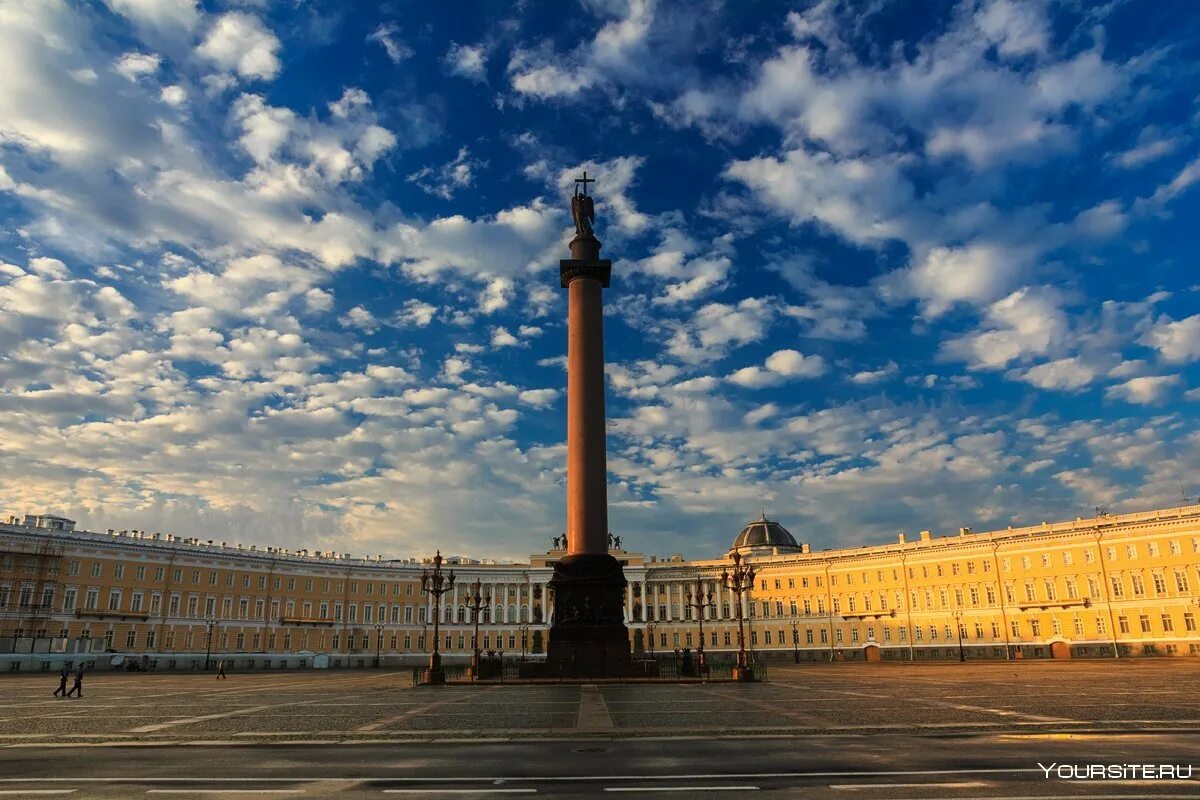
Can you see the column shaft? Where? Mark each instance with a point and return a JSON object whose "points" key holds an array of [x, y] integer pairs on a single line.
{"points": [[587, 474]]}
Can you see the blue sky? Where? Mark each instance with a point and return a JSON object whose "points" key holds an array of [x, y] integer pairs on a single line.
{"points": [[286, 272]]}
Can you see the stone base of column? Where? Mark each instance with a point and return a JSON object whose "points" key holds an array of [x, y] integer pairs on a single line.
{"points": [[588, 638]]}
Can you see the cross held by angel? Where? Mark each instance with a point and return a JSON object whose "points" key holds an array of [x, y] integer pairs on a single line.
{"points": [[583, 210]]}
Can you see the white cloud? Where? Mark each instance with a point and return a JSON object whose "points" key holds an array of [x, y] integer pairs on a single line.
{"points": [[389, 37], [618, 50], [863, 199], [779, 367], [447, 179], [174, 95], [1016, 29], [1029, 322], [132, 66], [1147, 390], [1066, 374], [162, 15], [873, 376], [976, 274], [538, 398], [49, 268], [1151, 146], [715, 328], [239, 42], [1175, 340], [469, 61], [415, 313], [502, 338], [359, 317]]}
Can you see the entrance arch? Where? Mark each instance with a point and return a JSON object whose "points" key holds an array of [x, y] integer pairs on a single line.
{"points": [[871, 652], [1060, 649]]}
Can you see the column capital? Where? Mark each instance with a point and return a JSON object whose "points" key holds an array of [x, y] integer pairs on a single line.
{"points": [[597, 269]]}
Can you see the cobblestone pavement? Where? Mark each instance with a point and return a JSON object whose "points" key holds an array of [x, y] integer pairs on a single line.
{"points": [[806, 700]]}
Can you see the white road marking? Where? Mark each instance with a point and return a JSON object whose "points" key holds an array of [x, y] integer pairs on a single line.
{"points": [[37, 791], [460, 791], [224, 791], [680, 788], [853, 787]]}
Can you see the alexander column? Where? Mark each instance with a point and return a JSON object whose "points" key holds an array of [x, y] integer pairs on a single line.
{"points": [[588, 637]]}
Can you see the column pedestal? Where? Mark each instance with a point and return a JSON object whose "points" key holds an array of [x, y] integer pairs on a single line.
{"points": [[588, 638]]}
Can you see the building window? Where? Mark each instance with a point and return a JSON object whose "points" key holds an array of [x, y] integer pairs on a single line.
{"points": [[114, 600], [1101, 626], [1144, 619], [1035, 627], [131, 639], [140, 573], [1123, 624], [1189, 621], [1160, 584], [118, 571], [1167, 623]]}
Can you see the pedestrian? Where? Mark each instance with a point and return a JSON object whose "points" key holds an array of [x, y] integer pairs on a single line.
{"points": [[77, 686], [221, 670], [63, 674]]}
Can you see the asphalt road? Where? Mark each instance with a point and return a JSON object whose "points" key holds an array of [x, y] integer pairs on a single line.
{"points": [[863, 767]]}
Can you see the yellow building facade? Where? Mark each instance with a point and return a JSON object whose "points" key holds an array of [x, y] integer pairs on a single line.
{"points": [[1107, 587]]}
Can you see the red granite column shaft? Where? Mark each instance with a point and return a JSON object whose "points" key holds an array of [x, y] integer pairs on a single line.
{"points": [[587, 466]]}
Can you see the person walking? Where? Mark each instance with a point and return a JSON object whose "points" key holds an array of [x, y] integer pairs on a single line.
{"points": [[77, 686], [221, 670], [63, 674]]}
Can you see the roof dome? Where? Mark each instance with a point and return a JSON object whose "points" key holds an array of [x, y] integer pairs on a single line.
{"points": [[764, 532]]}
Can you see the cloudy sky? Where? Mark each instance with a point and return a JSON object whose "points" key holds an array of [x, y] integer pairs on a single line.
{"points": [[285, 271]]}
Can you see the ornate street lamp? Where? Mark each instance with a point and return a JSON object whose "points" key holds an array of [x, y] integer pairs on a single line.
{"points": [[700, 601], [378, 642], [211, 623], [962, 653], [524, 633], [435, 584], [650, 637], [477, 602], [740, 582], [796, 640]]}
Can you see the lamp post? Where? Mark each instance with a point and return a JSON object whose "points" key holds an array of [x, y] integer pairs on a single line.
{"points": [[435, 584], [740, 581], [796, 640], [524, 634], [211, 623], [378, 643], [476, 601], [700, 601], [650, 637], [962, 653]]}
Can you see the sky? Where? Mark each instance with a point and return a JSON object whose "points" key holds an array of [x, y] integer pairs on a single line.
{"points": [[286, 272]]}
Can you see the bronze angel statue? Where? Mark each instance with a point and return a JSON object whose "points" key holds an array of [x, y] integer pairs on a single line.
{"points": [[583, 211]]}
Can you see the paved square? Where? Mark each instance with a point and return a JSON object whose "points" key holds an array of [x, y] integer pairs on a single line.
{"points": [[799, 700]]}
